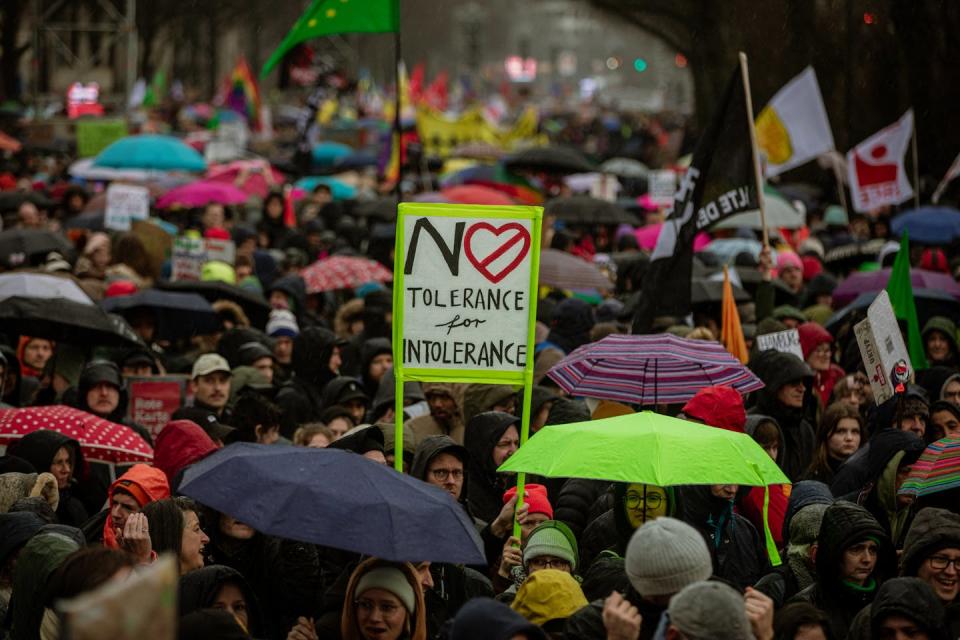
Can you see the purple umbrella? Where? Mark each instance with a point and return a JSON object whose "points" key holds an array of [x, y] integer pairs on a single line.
{"points": [[863, 282], [650, 369], [200, 194]]}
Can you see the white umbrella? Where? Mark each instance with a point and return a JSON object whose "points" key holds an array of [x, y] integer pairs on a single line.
{"points": [[84, 169], [779, 214], [39, 285]]}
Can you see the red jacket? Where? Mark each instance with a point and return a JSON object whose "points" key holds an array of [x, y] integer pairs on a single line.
{"points": [[180, 444]]}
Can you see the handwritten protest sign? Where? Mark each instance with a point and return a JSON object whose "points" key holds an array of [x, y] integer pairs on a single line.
{"points": [[885, 356], [662, 186], [189, 254], [783, 341], [154, 399], [125, 203]]}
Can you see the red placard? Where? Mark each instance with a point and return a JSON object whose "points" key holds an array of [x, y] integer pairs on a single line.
{"points": [[153, 400]]}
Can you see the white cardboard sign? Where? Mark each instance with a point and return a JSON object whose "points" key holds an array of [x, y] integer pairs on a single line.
{"points": [[466, 292], [662, 186], [126, 202], [882, 347], [189, 254], [783, 341]]}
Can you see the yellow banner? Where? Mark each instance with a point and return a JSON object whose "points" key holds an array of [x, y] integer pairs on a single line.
{"points": [[440, 135]]}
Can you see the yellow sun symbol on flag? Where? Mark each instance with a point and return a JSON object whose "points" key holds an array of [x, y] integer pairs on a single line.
{"points": [[772, 137]]}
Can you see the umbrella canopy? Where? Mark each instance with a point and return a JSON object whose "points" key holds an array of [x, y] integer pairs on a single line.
{"points": [[647, 237], [253, 304], [100, 440], [937, 469], [476, 194], [929, 225], [930, 302], [25, 247], [625, 168], [327, 153], [86, 170], [11, 200], [257, 177], [339, 189], [708, 290], [343, 272], [550, 160], [200, 194], [357, 160], [860, 282], [727, 249], [649, 448], [382, 209], [178, 315], [298, 493], [562, 270], [780, 214], [650, 369], [478, 172], [64, 320], [850, 256], [162, 153], [587, 210], [40, 285]]}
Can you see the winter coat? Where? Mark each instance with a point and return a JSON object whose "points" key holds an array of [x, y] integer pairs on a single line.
{"points": [[480, 398], [486, 619], [864, 467], [802, 494], [21, 393], [39, 448], [88, 378], [484, 485], [575, 501], [935, 379], [301, 400], [368, 351], [799, 440], [387, 394], [180, 444], [812, 335], [845, 524], [738, 553], [199, 589], [910, 598], [38, 560], [427, 425], [146, 484], [453, 586]]}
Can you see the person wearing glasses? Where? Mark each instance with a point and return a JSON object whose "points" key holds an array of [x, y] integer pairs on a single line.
{"points": [[931, 552], [384, 601], [551, 545]]}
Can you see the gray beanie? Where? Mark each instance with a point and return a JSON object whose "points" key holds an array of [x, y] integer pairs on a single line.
{"points": [[665, 555], [551, 538], [710, 611], [805, 525]]}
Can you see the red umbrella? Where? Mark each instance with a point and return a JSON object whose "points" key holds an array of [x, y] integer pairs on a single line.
{"points": [[343, 272], [100, 440], [476, 194], [200, 194], [257, 179]]}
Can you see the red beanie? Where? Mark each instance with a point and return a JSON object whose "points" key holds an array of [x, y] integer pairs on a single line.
{"points": [[217, 233], [534, 495], [812, 335], [718, 406], [811, 267], [120, 288]]}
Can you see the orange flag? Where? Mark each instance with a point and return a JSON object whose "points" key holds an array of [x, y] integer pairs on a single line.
{"points": [[731, 333]]}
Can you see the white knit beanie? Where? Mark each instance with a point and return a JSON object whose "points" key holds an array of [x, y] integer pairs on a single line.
{"points": [[665, 555], [392, 580]]}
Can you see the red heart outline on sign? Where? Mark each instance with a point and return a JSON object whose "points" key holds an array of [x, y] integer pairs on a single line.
{"points": [[522, 234]]}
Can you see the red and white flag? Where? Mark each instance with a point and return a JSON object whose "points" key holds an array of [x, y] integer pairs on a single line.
{"points": [[876, 168], [952, 173]]}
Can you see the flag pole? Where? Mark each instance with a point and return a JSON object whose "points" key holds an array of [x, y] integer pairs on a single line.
{"points": [[841, 191], [397, 130], [753, 147], [916, 168]]}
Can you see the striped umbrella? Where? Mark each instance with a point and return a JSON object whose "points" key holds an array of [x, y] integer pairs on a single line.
{"points": [[650, 369], [937, 469]]}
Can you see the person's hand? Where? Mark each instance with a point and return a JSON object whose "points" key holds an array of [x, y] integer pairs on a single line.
{"points": [[303, 630], [759, 609], [765, 265], [135, 537], [511, 557], [621, 619], [502, 526]]}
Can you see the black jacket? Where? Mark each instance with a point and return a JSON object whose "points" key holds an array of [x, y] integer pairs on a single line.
{"points": [[484, 486], [39, 448], [910, 598], [587, 623], [577, 497], [301, 400], [198, 590]]}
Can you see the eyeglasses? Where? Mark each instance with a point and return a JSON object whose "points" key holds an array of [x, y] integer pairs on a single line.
{"points": [[367, 607], [545, 562], [442, 474], [939, 563], [650, 501]]}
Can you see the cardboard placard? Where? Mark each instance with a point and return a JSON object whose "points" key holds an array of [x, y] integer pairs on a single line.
{"points": [[222, 250], [93, 136], [153, 399], [882, 348], [125, 203], [189, 254], [782, 341], [662, 186]]}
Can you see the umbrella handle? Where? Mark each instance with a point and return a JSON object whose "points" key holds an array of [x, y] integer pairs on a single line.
{"points": [[772, 552]]}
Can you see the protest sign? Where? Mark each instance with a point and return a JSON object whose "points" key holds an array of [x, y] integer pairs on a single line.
{"points": [[782, 341], [153, 399], [144, 605], [885, 356], [465, 300], [125, 203], [222, 250], [189, 254], [662, 186], [93, 136]]}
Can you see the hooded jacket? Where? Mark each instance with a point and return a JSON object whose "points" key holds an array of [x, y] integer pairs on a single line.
{"points": [[295, 289], [146, 484], [106, 371], [799, 440], [484, 486], [387, 394], [479, 398], [812, 335], [20, 393], [199, 589], [486, 619], [935, 379], [932, 530], [750, 506], [180, 444], [38, 560], [368, 351], [910, 598], [949, 331], [302, 399], [864, 467], [339, 388], [845, 524], [427, 425], [39, 449], [802, 494]]}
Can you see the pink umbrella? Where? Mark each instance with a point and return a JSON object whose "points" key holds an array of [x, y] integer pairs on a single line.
{"points": [[258, 179], [647, 237], [200, 194]]}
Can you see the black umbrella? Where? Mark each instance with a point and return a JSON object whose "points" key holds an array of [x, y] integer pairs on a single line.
{"points": [[587, 210], [178, 314], [382, 209], [703, 291], [549, 159], [252, 304], [23, 247], [65, 320], [848, 257], [11, 200], [90, 220]]}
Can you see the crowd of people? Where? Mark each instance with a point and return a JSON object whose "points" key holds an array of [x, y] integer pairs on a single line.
{"points": [[595, 559]]}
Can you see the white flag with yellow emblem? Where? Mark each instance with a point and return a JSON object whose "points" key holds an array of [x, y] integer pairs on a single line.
{"points": [[793, 128]]}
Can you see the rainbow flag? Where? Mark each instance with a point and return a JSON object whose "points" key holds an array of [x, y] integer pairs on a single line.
{"points": [[241, 93]]}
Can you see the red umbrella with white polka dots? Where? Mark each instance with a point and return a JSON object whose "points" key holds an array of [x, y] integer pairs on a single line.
{"points": [[100, 440]]}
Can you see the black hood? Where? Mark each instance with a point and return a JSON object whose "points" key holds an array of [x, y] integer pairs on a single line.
{"points": [[482, 434], [570, 325], [198, 590], [13, 364], [913, 599], [368, 351], [232, 342], [311, 355], [387, 394], [866, 465], [883, 417], [39, 448], [931, 530], [429, 448], [805, 493], [341, 389], [843, 525], [294, 287], [487, 619], [933, 379], [93, 374], [360, 440], [755, 420], [377, 305], [565, 410], [777, 369]]}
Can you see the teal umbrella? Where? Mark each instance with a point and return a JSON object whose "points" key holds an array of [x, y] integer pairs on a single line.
{"points": [[158, 153], [339, 189]]}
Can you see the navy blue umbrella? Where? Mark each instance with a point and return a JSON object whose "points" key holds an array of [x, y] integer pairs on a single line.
{"points": [[335, 499], [929, 225], [178, 315]]}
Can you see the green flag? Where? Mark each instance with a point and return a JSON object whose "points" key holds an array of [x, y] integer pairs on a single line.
{"points": [[329, 17], [900, 289]]}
